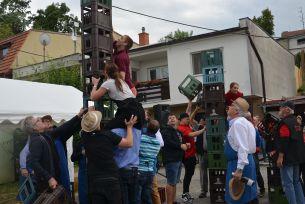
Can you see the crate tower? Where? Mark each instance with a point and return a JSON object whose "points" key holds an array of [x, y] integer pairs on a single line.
{"points": [[96, 16], [213, 102]]}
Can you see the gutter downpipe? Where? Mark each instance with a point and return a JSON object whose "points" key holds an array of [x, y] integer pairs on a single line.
{"points": [[262, 68]]}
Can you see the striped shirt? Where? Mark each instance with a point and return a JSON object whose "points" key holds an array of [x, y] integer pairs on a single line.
{"points": [[149, 149]]}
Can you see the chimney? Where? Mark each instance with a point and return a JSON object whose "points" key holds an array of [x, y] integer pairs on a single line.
{"points": [[143, 37]]}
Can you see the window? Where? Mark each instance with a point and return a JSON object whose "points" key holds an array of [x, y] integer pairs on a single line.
{"points": [[301, 41], [158, 73], [4, 51], [208, 58]]}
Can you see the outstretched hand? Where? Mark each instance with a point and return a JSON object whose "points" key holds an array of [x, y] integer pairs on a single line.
{"points": [[133, 119]]}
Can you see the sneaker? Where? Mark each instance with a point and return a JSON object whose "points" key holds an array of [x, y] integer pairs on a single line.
{"points": [[190, 196], [203, 195], [261, 193], [186, 198]]}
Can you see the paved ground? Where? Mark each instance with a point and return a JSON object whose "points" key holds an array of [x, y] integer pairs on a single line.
{"points": [[195, 186]]}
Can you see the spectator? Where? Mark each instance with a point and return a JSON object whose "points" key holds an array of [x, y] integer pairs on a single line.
{"points": [[155, 192], [149, 149], [173, 152], [79, 155], [43, 157], [239, 149], [103, 175], [189, 160], [233, 93], [291, 153], [60, 144], [201, 149]]}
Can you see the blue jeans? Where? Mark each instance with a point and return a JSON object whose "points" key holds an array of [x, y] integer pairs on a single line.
{"points": [[144, 187], [291, 183], [173, 171]]}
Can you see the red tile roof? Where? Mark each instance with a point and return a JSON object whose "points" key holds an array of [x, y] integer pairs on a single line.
{"points": [[16, 43], [288, 34]]}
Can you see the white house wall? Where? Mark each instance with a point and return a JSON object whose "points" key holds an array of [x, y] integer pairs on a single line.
{"points": [[278, 65], [235, 61], [293, 45]]}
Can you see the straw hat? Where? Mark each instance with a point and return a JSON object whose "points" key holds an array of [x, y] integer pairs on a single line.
{"points": [[91, 121], [236, 188], [242, 104]]}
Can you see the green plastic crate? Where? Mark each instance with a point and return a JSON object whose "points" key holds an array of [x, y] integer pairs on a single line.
{"points": [[190, 87], [277, 196], [215, 143], [216, 125], [216, 160], [105, 2]]}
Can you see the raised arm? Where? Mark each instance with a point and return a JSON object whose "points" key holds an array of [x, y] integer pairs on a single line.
{"points": [[97, 93], [189, 108], [128, 140]]}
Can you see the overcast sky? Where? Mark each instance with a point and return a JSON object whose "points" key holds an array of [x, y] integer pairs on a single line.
{"points": [[217, 14]]}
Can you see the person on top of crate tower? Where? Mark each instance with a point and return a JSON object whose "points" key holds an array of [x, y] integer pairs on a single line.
{"points": [[239, 148], [291, 151], [189, 160], [121, 59], [119, 91], [233, 93]]}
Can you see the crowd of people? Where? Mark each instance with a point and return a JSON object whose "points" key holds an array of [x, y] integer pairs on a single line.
{"points": [[118, 160]]}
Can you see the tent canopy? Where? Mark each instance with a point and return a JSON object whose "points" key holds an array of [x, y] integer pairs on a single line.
{"points": [[23, 98]]}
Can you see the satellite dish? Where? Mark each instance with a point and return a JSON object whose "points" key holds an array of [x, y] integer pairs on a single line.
{"points": [[44, 39]]}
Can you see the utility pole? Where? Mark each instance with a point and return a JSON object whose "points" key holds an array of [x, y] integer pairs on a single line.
{"points": [[302, 17]]}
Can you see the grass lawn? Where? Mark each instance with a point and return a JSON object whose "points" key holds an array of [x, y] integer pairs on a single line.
{"points": [[8, 192]]}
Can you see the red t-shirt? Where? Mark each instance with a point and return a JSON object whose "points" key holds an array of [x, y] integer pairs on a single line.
{"points": [[284, 131], [230, 97], [121, 59], [186, 130]]}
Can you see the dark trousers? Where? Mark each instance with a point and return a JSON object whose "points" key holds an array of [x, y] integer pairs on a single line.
{"points": [[255, 201], [189, 166], [128, 183], [104, 190], [144, 187], [259, 177]]}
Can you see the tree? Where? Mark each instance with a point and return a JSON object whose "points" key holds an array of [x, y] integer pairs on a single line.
{"points": [[14, 16], [56, 18], [265, 21], [177, 35], [5, 31]]}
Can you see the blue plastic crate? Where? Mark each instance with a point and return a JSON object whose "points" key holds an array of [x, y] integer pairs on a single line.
{"points": [[216, 125], [27, 191], [213, 75]]}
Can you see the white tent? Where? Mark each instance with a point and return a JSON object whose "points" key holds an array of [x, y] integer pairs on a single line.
{"points": [[22, 98]]}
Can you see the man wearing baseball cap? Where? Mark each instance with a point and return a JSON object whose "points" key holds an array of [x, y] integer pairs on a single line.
{"points": [[291, 153]]}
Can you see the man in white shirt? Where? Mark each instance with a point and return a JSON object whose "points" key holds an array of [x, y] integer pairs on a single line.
{"points": [[239, 147]]}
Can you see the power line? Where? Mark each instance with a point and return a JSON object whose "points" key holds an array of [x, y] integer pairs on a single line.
{"points": [[186, 24]]}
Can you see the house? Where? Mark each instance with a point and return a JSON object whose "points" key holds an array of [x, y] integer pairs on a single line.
{"points": [[294, 41], [165, 65], [22, 55], [25, 49]]}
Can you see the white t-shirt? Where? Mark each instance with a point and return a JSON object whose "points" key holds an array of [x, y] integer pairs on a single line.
{"points": [[115, 93]]}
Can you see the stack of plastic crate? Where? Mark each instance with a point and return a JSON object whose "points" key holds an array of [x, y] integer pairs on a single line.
{"points": [[214, 106]]}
